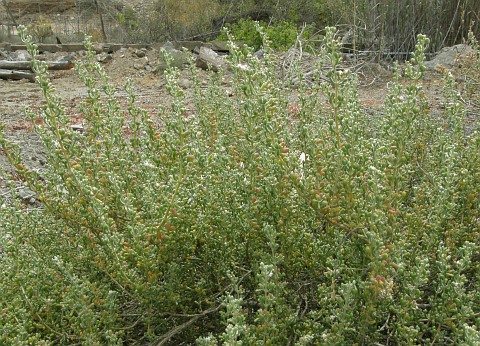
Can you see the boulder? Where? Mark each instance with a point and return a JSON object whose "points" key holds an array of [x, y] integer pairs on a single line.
{"points": [[448, 56], [179, 58], [209, 59]]}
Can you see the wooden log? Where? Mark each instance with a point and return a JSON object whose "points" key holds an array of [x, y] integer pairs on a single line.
{"points": [[192, 46], [5, 46], [26, 65], [17, 75], [72, 47], [218, 46]]}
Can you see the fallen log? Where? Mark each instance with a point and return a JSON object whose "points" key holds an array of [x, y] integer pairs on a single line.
{"points": [[17, 75], [26, 65]]}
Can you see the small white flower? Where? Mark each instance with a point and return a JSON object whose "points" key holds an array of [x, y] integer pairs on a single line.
{"points": [[302, 157], [148, 164], [375, 169], [243, 67]]}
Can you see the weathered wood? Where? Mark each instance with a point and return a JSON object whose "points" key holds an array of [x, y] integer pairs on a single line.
{"points": [[17, 75], [72, 47], [218, 46], [26, 65], [192, 46], [42, 47], [6, 46]]}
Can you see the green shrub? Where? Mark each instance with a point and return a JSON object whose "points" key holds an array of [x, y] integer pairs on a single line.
{"points": [[282, 34], [258, 218]]}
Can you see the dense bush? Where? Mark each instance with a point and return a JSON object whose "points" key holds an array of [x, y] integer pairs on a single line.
{"points": [[283, 34], [168, 20], [392, 25], [253, 218]]}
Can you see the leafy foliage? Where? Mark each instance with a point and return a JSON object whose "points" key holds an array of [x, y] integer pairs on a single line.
{"points": [[282, 34], [252, 218]]}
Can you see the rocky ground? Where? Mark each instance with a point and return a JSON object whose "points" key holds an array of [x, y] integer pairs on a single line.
{"points": [[142, 67]]}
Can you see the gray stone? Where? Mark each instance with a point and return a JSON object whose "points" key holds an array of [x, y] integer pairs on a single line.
{"points": [[259, 54], [140, 53], [185, 83], [209, 59], [27, 195], [448, 56], [179, 58], [169, 47], [20, 55], [77, 128], [104, 57], [138, 66]]}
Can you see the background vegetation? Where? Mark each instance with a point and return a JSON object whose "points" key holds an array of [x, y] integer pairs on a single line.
{"points": [[249, 218], [371, 25]]}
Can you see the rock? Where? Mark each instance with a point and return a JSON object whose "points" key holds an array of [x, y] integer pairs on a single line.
{"points": [[20, 55], [179, 58], [448, 56], [98, 48], [169, 47], [140, 53], [63, 58], [26, 195], [185, 83], [208, 59], [259, 54], [104, 57], [77, 128], [140, 64]]}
